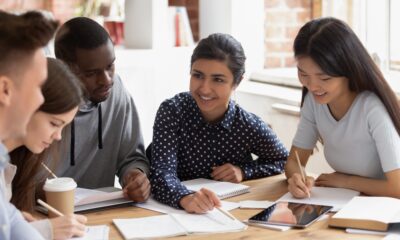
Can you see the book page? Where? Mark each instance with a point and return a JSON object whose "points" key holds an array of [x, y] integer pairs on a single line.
{"points": [[211, 222], [85, 196], [154, 205], [149, 227], [98, 232], [222, 189], [381, 209], [336, 197]]}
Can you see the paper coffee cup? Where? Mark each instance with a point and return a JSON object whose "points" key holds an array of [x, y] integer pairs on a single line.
{"points": [[60, 194]]}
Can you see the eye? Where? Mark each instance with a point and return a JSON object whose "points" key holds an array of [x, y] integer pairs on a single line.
{"points": [[110, 67], [89, 74], [326, 78], [53, 124], [196, 75], [219, 80]]}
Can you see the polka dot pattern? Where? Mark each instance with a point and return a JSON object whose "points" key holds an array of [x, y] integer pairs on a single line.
{"points": [[186, 147]]}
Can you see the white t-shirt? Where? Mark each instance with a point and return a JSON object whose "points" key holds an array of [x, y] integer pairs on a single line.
{"points": [[364, 142]]}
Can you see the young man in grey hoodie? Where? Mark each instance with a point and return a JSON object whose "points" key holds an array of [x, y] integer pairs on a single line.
{"points": [[105, 138]]}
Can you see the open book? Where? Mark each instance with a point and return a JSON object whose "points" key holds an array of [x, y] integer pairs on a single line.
{"points": [[372, 213], [222, 189], [177, 224]]}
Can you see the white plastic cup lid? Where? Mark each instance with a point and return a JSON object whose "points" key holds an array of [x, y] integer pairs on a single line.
{"points": [[59, 184]]}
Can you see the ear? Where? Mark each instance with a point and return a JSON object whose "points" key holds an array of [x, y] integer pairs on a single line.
{"points": [[6, 86]]}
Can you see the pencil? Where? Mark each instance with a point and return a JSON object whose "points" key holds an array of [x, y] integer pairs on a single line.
{"points": [[50, 208], [48, 169], [303, 174], [226, 213]]}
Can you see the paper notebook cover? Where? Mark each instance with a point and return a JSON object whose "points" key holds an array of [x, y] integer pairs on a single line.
{"points": [[177, 224], [371, 213], [222, 189]]}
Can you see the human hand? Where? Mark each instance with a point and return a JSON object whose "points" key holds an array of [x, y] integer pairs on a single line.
{"points": [[298, 188], [227, 173], [339, 180], [137, 185], [200, 202], [28, 217], [68, 226]]}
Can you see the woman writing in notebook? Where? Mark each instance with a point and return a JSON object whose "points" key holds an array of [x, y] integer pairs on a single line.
{"points": [[204, 134], [349, 106], [62, 95]]}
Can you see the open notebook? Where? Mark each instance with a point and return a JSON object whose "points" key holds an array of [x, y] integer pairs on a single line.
{"points": [[177, 224], [222, 189], [336, 197]]}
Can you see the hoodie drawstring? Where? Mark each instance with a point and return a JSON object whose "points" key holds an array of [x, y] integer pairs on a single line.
{"points": [[99, 136], [72, 155], [100, 129]]}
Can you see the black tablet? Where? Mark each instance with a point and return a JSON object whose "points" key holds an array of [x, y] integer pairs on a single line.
{"points": [[292, 214]]}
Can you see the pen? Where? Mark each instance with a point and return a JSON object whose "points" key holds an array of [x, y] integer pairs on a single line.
{"points": [[48, 169], [303, 174], [226, 213], [50, 208]]}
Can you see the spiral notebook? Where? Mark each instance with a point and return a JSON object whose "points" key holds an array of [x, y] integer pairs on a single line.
{"points": [[222, 189]]}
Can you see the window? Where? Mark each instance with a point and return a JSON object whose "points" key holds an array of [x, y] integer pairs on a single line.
{"points": [[375, 24]]}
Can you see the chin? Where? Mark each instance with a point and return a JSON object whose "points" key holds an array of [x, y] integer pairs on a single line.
{"points": [[37, 150]]}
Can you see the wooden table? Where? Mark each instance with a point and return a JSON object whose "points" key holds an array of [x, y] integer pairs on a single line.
{"points": [[270, 188]]}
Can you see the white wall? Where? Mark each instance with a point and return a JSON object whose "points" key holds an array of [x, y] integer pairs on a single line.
{"points": [[243, 19]]}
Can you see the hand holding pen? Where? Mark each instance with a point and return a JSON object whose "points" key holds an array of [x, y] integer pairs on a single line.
{"points": [[300, 184]]}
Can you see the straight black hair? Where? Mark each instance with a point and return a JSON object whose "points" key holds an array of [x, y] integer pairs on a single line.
{"points": [[222, 47], [336, 49]]}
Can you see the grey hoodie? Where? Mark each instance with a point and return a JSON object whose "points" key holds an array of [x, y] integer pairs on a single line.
{"points": [[103, 147]]}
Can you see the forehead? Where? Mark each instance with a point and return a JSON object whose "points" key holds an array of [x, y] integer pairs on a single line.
{"points": [[211, 66], [96, 58], [307, 64]]}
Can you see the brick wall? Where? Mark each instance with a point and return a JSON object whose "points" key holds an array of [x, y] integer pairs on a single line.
{"points": [[283, 19], [61, 9]]}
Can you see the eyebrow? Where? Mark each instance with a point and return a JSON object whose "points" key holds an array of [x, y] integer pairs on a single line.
{"points": [[213, 75], [96, 69]]}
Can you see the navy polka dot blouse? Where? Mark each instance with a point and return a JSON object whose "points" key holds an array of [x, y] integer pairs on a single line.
{"points": [[186, 147]]}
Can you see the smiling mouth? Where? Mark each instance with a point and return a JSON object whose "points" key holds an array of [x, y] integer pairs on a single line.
{"points": [[204, 98], [319, 94]]}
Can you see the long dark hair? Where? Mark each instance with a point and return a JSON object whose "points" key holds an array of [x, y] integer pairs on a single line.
{"points": [[332, 45], [222, 47], [62, 92]]}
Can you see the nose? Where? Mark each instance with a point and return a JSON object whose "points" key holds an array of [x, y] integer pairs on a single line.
{"points": [[105, 78], [311, 83], [57, 135], [205, 86]]}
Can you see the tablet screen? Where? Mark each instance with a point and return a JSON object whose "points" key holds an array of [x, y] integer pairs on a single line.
{"points": [[290, 214]]}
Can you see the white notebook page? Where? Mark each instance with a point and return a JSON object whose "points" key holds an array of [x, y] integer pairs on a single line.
{"points": [[222, 189], [336, 197]]}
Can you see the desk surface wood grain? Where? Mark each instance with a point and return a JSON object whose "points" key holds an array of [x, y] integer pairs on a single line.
{"points": [[261, 189]]}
